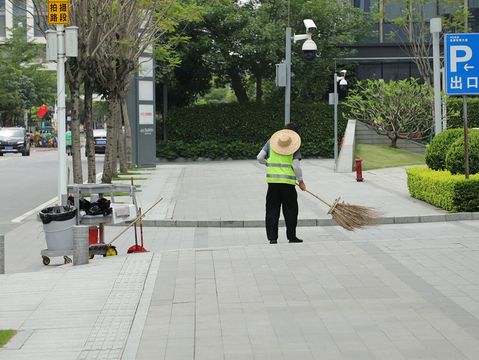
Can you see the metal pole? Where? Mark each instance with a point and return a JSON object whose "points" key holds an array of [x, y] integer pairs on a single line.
{"points": [[81, 245], [444, 102], [2, 254], [335, 80], [287, 94], [165, 110], [466, 141], [435, 30], [62, 156], [466, 20]]}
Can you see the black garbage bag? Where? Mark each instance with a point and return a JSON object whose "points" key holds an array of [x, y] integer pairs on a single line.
{"points": [[100, 207], [57, 213], [84, 203]]}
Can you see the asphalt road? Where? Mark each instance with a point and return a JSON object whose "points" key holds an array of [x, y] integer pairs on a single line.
{"points": [[28, 182]]}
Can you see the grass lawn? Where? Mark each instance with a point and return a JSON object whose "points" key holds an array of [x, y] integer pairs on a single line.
{"points": [[118, 178], [384, 156], [5, 336]]}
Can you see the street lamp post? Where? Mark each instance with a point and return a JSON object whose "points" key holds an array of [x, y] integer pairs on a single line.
{"points": [[61, 44]]}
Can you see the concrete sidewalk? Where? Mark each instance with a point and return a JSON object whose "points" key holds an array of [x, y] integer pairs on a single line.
{"points": [[400, 291], [232, 194], [397, 291]]}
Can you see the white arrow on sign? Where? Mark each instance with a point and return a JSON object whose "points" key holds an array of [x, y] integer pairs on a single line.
{"points": [[467, 67]]}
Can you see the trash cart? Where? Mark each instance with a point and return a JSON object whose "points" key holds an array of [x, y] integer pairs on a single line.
{"points": [[58, 222]]}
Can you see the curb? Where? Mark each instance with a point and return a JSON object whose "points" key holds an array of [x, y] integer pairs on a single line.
{"points": [[310, 222]]}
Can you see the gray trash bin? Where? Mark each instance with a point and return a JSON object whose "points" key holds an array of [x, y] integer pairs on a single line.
{"points": [[58, 222]]}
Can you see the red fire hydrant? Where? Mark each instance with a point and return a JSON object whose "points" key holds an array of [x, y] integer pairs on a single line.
{"points": [[359, 169]]}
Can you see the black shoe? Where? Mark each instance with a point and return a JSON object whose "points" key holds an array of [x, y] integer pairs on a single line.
{"points": [[295, 240], [273, 241]]}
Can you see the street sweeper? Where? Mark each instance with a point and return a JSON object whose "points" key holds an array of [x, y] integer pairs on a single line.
{"points": [[281, 155]]}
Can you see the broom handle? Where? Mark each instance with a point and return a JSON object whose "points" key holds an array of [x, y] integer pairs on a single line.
{"points": [[316, 196], [138, 218]]}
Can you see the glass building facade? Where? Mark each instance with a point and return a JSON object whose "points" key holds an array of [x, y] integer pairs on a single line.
{"points": [[21, 13], [382, 54], [2, 18]]}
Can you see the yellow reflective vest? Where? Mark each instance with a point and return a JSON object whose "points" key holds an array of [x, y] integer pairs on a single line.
{"points": [[280, 169]]}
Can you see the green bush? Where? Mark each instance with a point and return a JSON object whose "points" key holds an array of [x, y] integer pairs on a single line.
{"points": [[455, 112], [239, 130], [455, 154], [171, 150], [442, 189], [437, 149]]}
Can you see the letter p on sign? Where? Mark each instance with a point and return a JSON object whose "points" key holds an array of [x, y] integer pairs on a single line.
{"points": [[464, 51]]}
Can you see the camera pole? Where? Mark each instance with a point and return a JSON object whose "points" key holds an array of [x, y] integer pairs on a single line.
{"points": [[335, 81], [287, 94]]}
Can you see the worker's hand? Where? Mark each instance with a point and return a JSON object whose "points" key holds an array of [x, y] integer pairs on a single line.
{"points": [[302, 185]]}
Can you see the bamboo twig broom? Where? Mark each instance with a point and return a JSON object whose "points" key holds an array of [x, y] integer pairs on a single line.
{"points": [[349, 216]]}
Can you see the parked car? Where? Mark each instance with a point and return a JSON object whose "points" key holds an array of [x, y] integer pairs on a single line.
{"points": [[99, 137], [14, 140]]}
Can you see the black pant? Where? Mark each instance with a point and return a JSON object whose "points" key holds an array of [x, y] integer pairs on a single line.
{"points": [[281, 195]]}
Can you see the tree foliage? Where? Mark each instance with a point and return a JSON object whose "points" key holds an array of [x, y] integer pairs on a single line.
{"points": [[25, 83], [398, 109], [238, 44]]}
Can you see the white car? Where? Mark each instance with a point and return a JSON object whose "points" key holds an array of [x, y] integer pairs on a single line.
{"points": [[99, 136]]}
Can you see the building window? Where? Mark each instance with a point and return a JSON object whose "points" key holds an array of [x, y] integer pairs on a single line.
{"points": [[2, 18], [369, 71], [396, 71], [39, 25], [19, 14]]}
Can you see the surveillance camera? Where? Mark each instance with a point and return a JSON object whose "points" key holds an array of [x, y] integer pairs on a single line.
{"points": [[309, 50], [343, 72], [309, 25], [343, 84]]}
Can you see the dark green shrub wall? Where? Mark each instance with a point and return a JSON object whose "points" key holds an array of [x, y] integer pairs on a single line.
{"points": [[455, 112], [240, 130], [455, 154], [437, 149], [451, 192]]}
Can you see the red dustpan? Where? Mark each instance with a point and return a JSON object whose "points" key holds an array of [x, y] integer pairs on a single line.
{"points": [[136, 248]]}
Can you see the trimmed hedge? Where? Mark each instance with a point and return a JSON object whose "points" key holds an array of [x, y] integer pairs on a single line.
{"points": [[236, 150], [454, 193], [455, 154], [171, 150], [455, 111], [238, 131], [436, 151]]}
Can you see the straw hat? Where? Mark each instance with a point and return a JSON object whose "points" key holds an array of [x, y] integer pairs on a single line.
{"points": [[285, 142]]}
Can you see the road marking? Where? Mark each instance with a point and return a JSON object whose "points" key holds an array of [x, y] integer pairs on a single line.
{"points": [[42, 206], [31, 212]]}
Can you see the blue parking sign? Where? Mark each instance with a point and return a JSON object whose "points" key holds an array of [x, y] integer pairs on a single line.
{"points": [[461, 58]]}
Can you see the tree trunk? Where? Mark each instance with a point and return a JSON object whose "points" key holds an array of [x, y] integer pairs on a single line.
{"points": [[126, 123], [259, 89], [394, 141], [90, 142], [238, 87], [109, 161], [75, 129], [121, 142], [115, 135]]}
